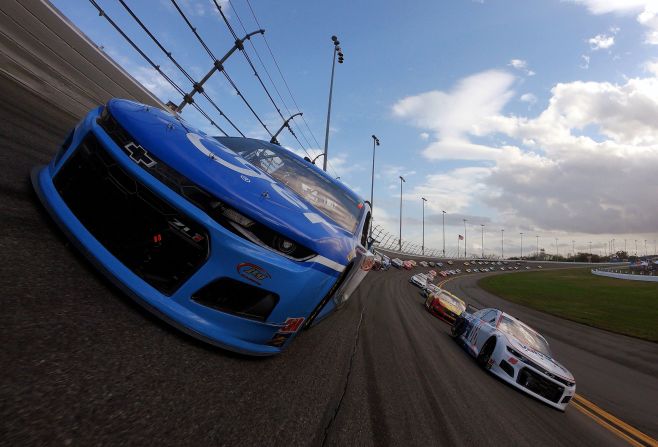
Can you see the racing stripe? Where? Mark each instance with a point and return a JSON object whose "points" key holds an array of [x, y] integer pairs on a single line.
{"points": [[328, 263]]}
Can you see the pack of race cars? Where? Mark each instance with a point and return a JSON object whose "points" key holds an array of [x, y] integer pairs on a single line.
{"points": [[501, 344], [241, 243]]}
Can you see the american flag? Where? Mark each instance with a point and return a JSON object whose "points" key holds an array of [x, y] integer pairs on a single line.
{"points": [[461, 238]]}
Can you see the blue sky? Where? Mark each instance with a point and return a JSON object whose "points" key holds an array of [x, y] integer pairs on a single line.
{"points": [[537, 117]]}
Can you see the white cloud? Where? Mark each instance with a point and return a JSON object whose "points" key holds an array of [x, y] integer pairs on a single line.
{"points": [[585, 64], [652, 67], [590, 141], [649, 18], [424, 136], [529, 98], [453, 113], [154, 82], [200, 8], [518, 64], [521, 65], [454, 190], [646, 10], [601, 42]]}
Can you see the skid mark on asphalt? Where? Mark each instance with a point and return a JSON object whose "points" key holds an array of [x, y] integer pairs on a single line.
{"points": [[347, 378]]}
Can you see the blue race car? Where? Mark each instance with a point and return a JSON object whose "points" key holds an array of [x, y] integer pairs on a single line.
{"points": [[236, 241]]}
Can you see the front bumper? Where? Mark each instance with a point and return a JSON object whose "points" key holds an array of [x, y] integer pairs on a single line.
{"points": [[533, 381], [226, 253]]}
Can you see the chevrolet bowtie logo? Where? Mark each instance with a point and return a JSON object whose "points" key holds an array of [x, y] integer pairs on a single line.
{"points": [[139, 155]]}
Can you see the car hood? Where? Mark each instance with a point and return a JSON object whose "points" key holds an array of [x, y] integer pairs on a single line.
{"points": [[230, 178], [546, 362], [451, 306]]}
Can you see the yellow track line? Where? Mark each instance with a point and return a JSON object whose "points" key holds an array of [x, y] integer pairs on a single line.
{"points": [[607, 426], [616, 421]]}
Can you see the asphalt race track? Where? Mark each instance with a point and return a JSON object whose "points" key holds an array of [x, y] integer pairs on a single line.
{"points": [[84, 365]]}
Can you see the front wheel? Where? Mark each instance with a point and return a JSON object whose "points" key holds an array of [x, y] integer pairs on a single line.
{"points": [[484, 357], [458, 327]]}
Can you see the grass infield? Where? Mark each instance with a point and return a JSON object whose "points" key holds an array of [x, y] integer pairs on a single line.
{"points": [[617, 305]]}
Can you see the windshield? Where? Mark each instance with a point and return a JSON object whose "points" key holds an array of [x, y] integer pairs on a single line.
{"points": [[524, 334], [297, 175]]}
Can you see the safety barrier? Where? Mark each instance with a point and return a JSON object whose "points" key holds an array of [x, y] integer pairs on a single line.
{"points": [[627, 276], [44, 53]]}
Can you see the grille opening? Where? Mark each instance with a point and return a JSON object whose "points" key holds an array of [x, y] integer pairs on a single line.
{"points": [[154, 240], [507, 368], [566, 399], [540, 385], [235, 297], [64, 147]]}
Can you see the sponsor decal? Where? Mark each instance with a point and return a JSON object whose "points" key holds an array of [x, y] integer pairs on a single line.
{"points": [[351, 255], [245, 178], [252, 272], [291, 325], [139, 155]]}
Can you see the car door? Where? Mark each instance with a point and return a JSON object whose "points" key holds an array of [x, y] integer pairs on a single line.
{"points": [[487, 327], [473, 323]]}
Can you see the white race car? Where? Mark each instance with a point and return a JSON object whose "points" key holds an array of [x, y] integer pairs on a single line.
{"points": [[516, 353], [419, 279], [430, 289]]}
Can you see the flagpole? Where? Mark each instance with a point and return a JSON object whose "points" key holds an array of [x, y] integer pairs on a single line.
{"points": [[458, 246]]}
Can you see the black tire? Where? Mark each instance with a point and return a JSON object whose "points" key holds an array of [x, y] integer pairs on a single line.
{"points": [[458, 328], [485, 354]]}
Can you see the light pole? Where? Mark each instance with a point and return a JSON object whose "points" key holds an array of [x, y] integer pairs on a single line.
{"points": [[635, 247], [573, 250], [337, 51], [402, 180], [521, 245], [464, 238], [375, 142], [645, 248], [537, 247], [423, 247], [316, 157], [285, 124], [444, 233], [482, 225], [502, 244], [557, 251]]}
